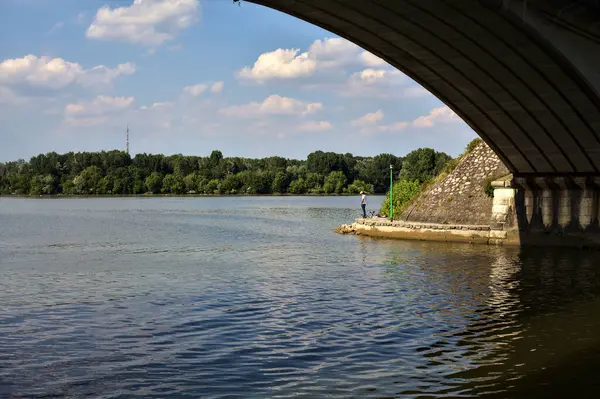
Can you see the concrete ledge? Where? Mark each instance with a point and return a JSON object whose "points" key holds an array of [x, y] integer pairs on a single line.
{"points": [[473, 234], [419, 225], [469, 234]]}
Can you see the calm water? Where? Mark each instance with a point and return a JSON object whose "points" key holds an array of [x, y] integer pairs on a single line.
{"points": [[258, 298]]}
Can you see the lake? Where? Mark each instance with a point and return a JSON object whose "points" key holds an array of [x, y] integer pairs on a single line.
{"points": [[256, 297]]}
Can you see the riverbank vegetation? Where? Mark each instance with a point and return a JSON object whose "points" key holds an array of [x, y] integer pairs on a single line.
{"points": [[416, 175], [116, 173]]}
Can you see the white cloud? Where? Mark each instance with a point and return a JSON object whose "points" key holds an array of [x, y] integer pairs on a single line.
{"points": [[195, 90], [291, 63], [100, 105], [273, 105], [157, 105], [315, 126], [199, 89], [100, 76], [312, 108], [370, 122], [217, 87], [86, 121], [145, 22], [393, 127], [43, 71], [373, 83], [282, 64], [371, 60], [333, 52], [56, 73], [436, 116], [383, 83], [372, 76], [337, 56], [97, 111], [56, 26], [368, 119]]}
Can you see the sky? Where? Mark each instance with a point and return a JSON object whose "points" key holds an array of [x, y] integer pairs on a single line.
{"points": [[192, 76]]}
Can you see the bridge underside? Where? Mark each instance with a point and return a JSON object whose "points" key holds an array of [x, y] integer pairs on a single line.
{"points": [[523, 74]]}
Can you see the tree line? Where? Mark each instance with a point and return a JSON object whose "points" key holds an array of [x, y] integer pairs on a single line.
{"points": [[117, 173]]}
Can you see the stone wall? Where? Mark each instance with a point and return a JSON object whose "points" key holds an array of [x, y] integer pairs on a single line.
{"points": [[459, 197]]}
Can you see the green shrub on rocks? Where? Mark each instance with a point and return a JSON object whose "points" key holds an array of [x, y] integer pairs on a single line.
{"points": [[404, 192], [487, 187], [474, 143]]}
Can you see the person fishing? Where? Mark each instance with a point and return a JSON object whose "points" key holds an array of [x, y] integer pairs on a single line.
{"points": [[363, 203]]}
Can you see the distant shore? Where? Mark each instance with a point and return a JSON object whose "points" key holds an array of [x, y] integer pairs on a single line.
{"points": [[55, 196]]}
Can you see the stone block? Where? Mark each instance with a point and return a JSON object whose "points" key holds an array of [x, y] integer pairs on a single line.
{"points": [[503, 209], [498, 234]]}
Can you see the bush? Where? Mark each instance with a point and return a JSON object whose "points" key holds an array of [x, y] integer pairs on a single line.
{"points": [[487, 186], [471, 146], [334, 183], [297, 186], [404, 192], [212, 187]]}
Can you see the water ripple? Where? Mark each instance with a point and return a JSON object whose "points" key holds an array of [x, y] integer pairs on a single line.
{"points": [[207, 304]]}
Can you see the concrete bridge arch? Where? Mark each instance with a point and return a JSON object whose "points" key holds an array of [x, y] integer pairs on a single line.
{"points": [[523, 74]]}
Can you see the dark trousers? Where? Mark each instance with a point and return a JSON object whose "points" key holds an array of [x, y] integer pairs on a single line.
{"points": [[364, 208]]}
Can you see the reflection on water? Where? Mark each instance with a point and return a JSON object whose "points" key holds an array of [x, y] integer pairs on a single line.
{"points": [[257, 298]]}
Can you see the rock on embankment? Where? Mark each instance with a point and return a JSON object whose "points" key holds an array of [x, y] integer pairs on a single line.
{"points": [[460, 197], [346, 229]]}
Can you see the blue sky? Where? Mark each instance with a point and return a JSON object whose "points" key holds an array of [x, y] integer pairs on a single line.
{"points": [[190, 76]]}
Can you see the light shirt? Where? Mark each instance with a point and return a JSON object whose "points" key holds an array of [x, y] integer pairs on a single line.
{"points": [[363, 199]]}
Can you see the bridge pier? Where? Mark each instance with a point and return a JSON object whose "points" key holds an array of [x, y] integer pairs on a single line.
{"points": [[547, 211]]}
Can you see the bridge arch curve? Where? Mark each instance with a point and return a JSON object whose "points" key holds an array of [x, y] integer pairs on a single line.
{"points": [[523, 74]]}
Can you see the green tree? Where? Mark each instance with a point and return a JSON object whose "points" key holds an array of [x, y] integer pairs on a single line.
{"points": [[215, 158], [43, 185], [297, 186], [212, 187], [376, 170], [173, 184], [314, 183], [423, 164], [280, 183], [115, 172], [335, 182], [190, 182], [105, 186], [201, 184], [122, 182], [358, 185], [89, 181], [154, 182], [230, 184]]}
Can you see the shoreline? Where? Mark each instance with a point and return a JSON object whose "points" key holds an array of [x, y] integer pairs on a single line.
{"points": [[81, 196]]}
